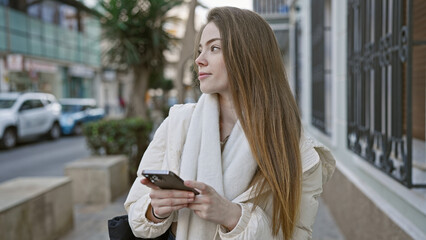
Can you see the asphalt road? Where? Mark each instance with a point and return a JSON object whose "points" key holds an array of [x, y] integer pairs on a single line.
{"points": [[41, 158]]}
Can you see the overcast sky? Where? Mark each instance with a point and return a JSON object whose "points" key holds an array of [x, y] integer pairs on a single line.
{"points": [[212, 3], [247, 4]]}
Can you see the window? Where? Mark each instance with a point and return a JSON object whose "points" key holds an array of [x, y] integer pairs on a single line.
{"points": [[384, 72], [270, 6], [68, 17], [419, 91], [7, 103], [16, 4], [4, 2], [49, 12], [33, 10], [321, 64], [31, 104], [36, 103], [26, 105]]}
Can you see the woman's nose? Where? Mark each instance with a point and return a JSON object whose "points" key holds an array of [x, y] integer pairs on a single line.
{"points": [[200, 60]]}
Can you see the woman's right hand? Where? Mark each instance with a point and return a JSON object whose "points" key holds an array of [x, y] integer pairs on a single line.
{"points": [[164, 202]]}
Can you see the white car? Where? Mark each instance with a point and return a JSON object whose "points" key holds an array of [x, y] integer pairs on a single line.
{"points": [[28, 115]]}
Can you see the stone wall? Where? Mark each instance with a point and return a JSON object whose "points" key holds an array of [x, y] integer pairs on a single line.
{"points": [[35, 208]]}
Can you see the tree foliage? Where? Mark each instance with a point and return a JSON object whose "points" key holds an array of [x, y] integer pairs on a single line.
{"points": [[112, 136], [136, 37]]}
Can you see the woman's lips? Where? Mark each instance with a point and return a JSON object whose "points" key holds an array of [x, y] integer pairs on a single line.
{"points": [[203, 75]]}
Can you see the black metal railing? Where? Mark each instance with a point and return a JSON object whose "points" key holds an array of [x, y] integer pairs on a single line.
{"points": [[379, 85]]}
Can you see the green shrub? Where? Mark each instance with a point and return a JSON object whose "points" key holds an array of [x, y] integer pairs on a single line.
{"points": [[128, 136]]}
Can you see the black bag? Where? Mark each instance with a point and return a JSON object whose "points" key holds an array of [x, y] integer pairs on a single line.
{"points": [[119, 229]]}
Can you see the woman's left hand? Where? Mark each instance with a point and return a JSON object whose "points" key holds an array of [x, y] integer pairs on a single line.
{"points": [[210, 206]]}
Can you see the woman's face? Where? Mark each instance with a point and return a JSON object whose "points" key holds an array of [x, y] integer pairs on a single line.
{"points": [[211, 66]]}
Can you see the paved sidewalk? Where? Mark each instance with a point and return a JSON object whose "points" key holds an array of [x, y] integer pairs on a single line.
{"points": [[90, 222], [325, 227]]}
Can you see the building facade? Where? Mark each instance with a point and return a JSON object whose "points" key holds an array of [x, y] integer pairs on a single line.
{"points": [[276, 13], [49, 46], [358, 71]]}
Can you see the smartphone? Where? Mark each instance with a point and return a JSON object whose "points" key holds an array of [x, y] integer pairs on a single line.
{"points": [[167, 180]]}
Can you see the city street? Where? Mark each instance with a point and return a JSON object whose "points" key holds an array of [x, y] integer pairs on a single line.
{"points": [[41, 158], [48, 158]]}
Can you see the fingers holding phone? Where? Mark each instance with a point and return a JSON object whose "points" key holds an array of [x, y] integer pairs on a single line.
{"points": [[168, 194], [211, 206], [164, 202], [146, 182], [166, 180]]}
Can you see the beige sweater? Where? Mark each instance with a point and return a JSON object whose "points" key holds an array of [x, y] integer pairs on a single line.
{"points": [[165, 152]]}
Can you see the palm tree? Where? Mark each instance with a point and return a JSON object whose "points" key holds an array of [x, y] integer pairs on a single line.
{"points": [[136, 40]]}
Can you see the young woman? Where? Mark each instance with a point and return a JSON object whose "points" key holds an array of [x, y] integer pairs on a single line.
{"points": [[241, 146]]}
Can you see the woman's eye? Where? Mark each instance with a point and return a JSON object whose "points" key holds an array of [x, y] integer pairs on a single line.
{"points": [[214, 48]]}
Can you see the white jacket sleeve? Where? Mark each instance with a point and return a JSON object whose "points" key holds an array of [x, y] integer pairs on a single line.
{"points": [[138, 200], [311, 190], [257, 224], [253, 224]]}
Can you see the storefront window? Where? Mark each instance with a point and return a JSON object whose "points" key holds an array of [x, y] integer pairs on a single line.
{"points": [[19, 82], [34, 81], [50, 83]]}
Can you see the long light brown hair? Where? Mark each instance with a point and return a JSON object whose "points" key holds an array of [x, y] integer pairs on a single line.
{"points": [[266, 109]]}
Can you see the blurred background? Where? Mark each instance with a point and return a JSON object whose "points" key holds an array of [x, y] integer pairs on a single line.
{"points": [[84, 84]]}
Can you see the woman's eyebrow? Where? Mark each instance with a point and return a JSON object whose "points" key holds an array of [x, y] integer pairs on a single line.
{"points": [[209, 41]]}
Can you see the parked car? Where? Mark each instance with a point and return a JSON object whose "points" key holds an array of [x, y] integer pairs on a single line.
{"points": [[76, 112], [28, 115]]}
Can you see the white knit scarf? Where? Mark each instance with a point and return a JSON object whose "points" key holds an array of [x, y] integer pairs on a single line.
{"points": [[229, 173]]}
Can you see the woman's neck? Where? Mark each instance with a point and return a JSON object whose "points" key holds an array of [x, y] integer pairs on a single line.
{"points": [[227, 116]]}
